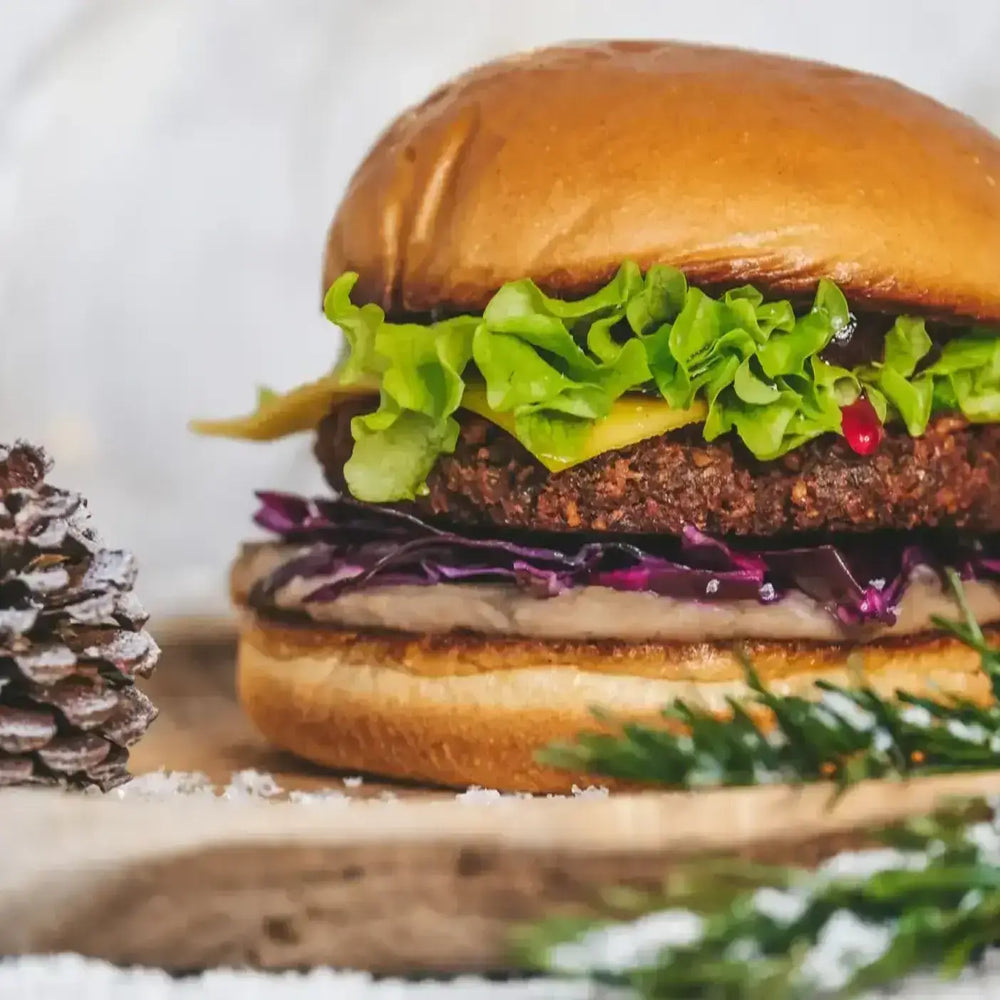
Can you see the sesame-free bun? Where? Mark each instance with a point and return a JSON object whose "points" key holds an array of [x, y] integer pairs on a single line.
{"points": [[464, 710], [560, 163]]}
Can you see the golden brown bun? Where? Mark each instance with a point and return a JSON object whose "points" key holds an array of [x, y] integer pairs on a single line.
{"points": [[463, 710], [735, 166]]}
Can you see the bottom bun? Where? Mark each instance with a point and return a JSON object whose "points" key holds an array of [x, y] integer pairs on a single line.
{"points": [[464, 710]]}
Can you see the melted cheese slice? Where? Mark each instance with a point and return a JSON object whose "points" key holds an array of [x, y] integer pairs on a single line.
{"points": [[632, 418], [278, 416]]}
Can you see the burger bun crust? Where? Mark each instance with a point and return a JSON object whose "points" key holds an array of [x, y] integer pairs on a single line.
{"points": [[465, 710], [560, 163]]}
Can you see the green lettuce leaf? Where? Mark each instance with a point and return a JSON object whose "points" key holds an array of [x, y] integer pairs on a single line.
{"points": [[893, 380], [359, 324], [557, 366], [782, 394], [660, 299], [906, 344], [421, 370], [967, 377], [393, 462]]}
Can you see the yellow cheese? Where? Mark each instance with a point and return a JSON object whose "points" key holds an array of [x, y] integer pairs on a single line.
{"points": [[632, 418], [278, 416]]}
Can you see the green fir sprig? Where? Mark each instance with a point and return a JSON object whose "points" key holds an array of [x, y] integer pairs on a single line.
{"points": [[844, 734], [737, 931]]}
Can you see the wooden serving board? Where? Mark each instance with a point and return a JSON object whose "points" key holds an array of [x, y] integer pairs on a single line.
{"points": [[405, 880]]}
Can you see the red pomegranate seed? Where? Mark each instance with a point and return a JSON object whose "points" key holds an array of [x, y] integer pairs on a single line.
{"points": [[862, 427]]}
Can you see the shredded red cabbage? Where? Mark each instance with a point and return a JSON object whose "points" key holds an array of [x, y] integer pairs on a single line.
{"points": [[349, 546]]}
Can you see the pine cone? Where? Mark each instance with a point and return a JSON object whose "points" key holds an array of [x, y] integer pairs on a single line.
{"points": [[71, 637]]}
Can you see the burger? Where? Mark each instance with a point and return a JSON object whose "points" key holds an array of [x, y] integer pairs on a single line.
{"points": [[657, 357]]}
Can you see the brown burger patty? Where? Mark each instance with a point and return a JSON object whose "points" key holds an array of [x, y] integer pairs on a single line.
{"points": [[949, 477]]}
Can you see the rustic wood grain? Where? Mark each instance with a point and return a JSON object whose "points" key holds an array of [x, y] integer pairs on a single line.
{"points": [[421, 883]]}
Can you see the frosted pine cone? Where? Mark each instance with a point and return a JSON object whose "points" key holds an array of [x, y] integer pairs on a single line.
{"points": [[71, 636]]}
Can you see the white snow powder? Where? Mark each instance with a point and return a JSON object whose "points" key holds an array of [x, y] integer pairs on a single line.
{"points": [[986, 838], [971, 900], [848, 711], [251, 784], [882, 740], [71, 977], [844, 945], [783, 906], [618, 947], [475, 795], [164, 784], [742, 950], [590, 792], [243, 785], [322, 796], [916, 715], [864, 864], [973, 733]]}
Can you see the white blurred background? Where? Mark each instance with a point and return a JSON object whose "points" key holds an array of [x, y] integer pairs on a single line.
{"points": [[167, 172]]}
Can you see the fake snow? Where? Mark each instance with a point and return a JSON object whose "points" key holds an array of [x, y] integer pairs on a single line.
{"points": [[162, 784], [474, 795], [165, 784], [986, 838], [318, 798], [844, 945], [619, 947], [969, 733], [916, 715], [783, 906], [882, 740], [251, 785], [71, 977], [484, 796], [848, 711], [857, 865]]}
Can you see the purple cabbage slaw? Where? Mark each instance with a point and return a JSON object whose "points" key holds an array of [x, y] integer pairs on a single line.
{"points": [[349, 546]]}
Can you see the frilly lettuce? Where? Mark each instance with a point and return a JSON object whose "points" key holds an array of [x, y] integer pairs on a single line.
{"points": [[965, 378], [557, 366]]}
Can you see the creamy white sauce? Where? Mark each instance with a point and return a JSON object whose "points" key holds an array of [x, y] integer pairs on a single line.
{"points": [[602, 613]]}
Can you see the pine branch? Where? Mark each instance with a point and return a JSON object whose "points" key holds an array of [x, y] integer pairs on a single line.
{"points": [[740, 932], [744, 932], [845, 734]]}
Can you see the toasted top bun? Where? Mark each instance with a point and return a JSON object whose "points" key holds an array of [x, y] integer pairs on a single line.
{"points": [[734, 166]]}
